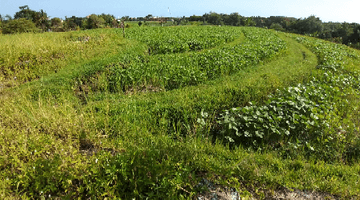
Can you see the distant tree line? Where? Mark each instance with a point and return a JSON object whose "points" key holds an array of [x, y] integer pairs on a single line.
{"points": [[27, 20], [345, 33]]}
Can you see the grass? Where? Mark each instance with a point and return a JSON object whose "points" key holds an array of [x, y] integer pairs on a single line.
{"points": [[24, 57], [66, 135]]}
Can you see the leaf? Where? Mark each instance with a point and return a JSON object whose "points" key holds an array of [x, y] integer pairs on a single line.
{"points": [[259, 134]]}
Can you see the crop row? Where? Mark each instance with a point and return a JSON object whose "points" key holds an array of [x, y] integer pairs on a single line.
{"points": [[311, 116], [328, 53], [181, 39], [61, 134], [171, 71]]}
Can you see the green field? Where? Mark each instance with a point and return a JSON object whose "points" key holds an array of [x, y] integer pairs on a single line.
{"points": [[154, 114]]}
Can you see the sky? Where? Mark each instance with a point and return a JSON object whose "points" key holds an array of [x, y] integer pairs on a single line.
{"points": [[326, 10]]}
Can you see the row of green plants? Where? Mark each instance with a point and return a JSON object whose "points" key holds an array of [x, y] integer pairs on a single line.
{"points": [[60, 141], [171, 71], [312, 119], [328, 53], [182, 39], [121, 145]]}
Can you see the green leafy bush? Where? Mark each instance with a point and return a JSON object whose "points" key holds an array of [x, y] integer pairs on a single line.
{"points": [[297, 117], [19, 26], [94, 21]]}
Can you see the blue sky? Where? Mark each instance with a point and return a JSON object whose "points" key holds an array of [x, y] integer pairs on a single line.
{"points": [[327, 10]]}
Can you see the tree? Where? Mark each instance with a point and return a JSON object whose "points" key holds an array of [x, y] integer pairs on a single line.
{"points": [[195, 18], [310, 25], [183, 21], [355, 36], [95, 21], [149, 16], [213, 18], [274, 20], [73, 23], [26, 13], [39, 18], [285, 22], [276, 26], [177, 21], [108, 19], [126, 18], [260, 21], [56, 24], [141, 19], [21, 25], [248, 21], [115, 24], [234, 19]]}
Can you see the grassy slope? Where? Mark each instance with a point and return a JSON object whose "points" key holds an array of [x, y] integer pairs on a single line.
{"points": [[214, 96], [25, 57], [55, 138]]}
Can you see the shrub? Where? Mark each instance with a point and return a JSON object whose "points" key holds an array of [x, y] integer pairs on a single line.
{"points": [[56, 24], [277, 26], [95, 21], [19, 26]]}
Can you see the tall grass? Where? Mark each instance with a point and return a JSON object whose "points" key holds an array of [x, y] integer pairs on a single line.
{"points": [[24, 57]]}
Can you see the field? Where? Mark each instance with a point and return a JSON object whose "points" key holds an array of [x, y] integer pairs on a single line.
{"points": [[165, 112]]}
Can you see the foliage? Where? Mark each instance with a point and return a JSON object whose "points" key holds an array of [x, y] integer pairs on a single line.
{"points": [[171, 71], [25, 12], [310, 25], [182, 39], [95, 21], [234, 19], [72, 23], [195, 18], [355, 36], [276, 26], [39, 18], [337, 32], [56, 24], [300, 118], [108, 19], [213, 18], [19, 26], [75, 133]]}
